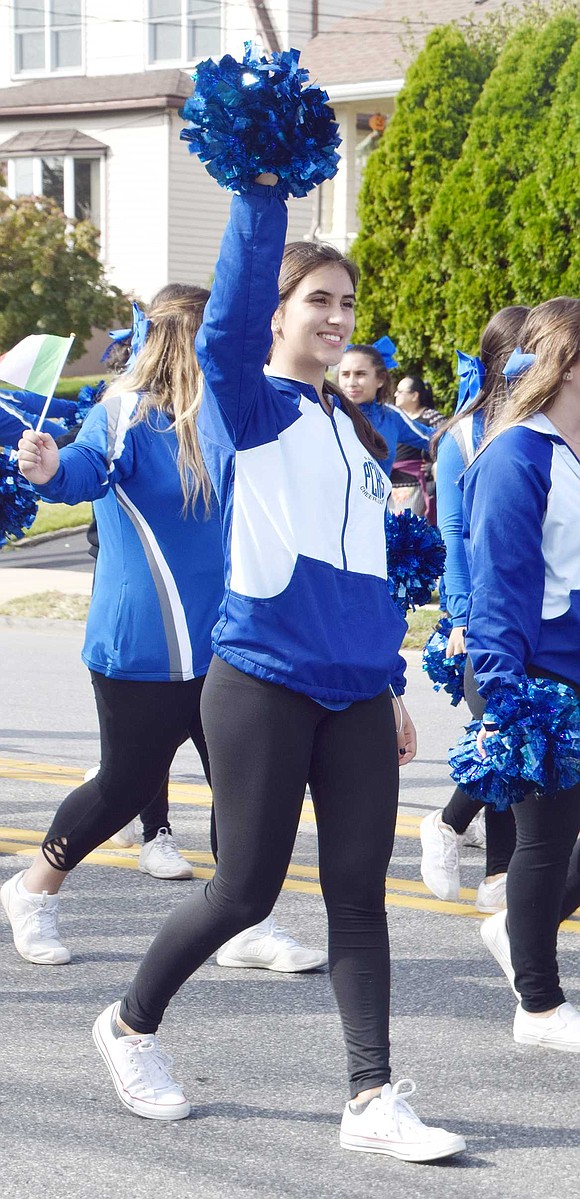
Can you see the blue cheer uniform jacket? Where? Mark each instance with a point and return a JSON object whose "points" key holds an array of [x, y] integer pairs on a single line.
{"points": [[455, 451], [396, 428], [159, 573], [522, 508], [307, 602]]}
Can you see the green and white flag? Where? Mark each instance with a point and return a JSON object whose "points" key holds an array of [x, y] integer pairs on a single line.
{"points": [[35, 365]]}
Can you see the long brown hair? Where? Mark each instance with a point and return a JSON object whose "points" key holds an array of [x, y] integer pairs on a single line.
{"points": [[167, 376], [552, 333], [299, 259], [501, 335]]}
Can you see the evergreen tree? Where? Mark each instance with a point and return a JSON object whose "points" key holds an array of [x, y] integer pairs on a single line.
{"points": [[543, 223], [404, 172], [468, 227]]}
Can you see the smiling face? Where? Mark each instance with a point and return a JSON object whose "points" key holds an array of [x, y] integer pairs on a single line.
{"points": [[359, 378], [315, 323]]}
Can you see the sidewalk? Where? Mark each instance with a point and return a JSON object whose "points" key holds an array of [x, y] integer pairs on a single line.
{"points": [[16, 582]]}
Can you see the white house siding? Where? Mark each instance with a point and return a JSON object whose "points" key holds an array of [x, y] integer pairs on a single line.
{"points": [[198, 211], [137, 199]]}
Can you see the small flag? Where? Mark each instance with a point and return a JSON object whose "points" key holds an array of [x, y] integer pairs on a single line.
{"points": [[35, 363]]}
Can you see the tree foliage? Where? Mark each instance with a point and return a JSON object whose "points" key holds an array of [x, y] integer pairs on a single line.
{"points": [[496, 220], [51, 277]]}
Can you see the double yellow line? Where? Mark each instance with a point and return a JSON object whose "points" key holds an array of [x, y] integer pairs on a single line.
{"points": [[401, 893]]}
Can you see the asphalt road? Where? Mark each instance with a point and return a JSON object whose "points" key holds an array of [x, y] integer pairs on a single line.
{"points": [[259, 1054]]}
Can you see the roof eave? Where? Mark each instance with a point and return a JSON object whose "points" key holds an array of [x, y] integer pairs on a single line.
{"points": [[41, 110], [371, 89]]}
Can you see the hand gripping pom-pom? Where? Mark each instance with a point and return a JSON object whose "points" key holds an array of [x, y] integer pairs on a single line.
{"points": [[445, 673], [18, 503], [260, 115], [536, 748], [415, 559]]}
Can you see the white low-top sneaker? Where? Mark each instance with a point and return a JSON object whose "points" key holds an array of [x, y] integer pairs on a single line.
{"points": [[440, 857], [495, 938], [127, 836], [491, 896], [474, 836], [34, 920], [389, 1125], [266, 947], [560, 1031], [139, 1070], [162, 859]]}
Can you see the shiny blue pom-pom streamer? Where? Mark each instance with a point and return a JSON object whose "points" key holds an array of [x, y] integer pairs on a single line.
{"points": [[536, 748], [18, 501], [415, 558], [87, 398], [261, 115], [445, 673]]}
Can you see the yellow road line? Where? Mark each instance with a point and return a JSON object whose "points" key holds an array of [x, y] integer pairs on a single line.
{"points": [[196, 795], [400, 893]]}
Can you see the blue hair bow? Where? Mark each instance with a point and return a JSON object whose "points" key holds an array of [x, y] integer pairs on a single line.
{"points": [[387, 349], [138, 334], [517, 364], [471, 373]]}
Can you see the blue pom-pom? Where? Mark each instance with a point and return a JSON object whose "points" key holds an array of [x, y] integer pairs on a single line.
{"points": [[445, 673], [18, 502], [415, 558], [261, 115], [536, 748], [87, 398]]}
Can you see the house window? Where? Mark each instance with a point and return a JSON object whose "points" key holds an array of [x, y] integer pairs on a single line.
{"points": [[47, 35], [74, 183], [184, 30]]}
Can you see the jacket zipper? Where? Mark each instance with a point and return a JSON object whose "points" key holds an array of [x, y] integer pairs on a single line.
{"points": [[347, 497]]}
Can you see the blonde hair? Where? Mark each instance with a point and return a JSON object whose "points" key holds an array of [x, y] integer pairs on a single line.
{"points": [[551, 332], [167, 376]]}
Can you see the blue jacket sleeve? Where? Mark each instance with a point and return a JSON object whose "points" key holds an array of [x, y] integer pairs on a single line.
{"points": [[235, 338], [506, 492], [12, 426], [33, 403], [450, 467], [411, 432], [102, 453]]}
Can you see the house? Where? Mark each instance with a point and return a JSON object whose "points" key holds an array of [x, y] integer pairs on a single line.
{"points": [[361, 61], [90, 92]]}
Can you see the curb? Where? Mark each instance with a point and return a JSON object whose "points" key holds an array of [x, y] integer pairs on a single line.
{"points": [[38, 539], [35, 622]]}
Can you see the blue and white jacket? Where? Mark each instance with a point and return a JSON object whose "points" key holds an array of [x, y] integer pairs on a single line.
{"points": [[456, 449], [397, 429], [159, 574], [307, 603], [522, 508], [19, 411]]}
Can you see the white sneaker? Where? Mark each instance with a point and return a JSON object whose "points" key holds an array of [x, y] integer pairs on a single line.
{"points": [[127, 836], [34, 923], [495, 938], [162, 859], [266, 947], [491, 896], [389, 1125], [139, 1071], [91, 774], [560, 1031], [474, 836], [440, 857]]}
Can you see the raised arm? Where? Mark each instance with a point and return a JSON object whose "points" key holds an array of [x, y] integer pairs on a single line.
{"points": [[235, 338]]}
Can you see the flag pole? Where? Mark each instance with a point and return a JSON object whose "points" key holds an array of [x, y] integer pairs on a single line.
{"points": [[65, 355]]}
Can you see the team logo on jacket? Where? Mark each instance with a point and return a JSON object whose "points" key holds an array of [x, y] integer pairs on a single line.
{"points": [[374, 482]]}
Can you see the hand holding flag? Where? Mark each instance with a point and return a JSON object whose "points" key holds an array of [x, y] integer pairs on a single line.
{"points": [[35, 365], [38, 457]]}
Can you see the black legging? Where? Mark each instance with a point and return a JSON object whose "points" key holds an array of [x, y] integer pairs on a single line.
{"points": [[543, 888], [265, 744], [500, 829], [142, 725]]}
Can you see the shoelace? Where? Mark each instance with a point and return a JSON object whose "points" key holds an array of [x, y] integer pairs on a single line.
{"points": [[164, 843], [150, 1063], [279, 934], [47, 919], [402, 1112], [450, 850]]}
